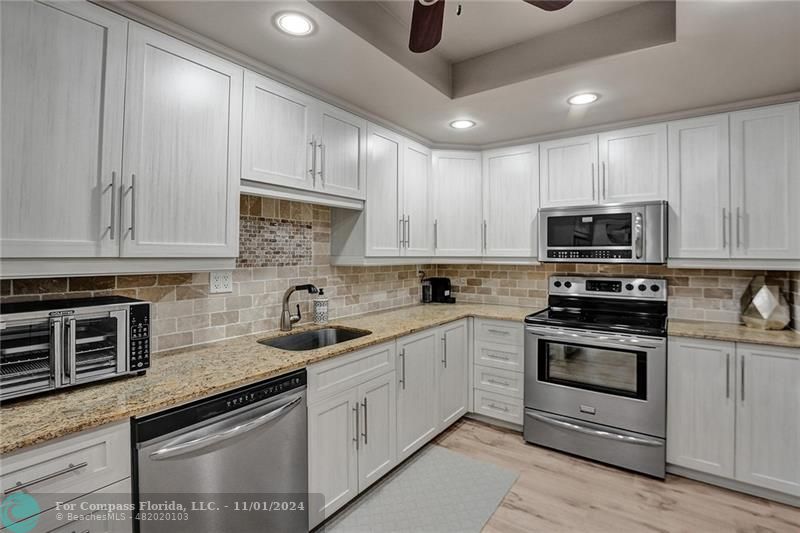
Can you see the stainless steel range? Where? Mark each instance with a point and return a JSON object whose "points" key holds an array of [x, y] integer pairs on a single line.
{"points": [[596, 371]]}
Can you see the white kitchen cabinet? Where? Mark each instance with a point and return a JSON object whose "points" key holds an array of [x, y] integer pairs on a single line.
{"points": [[342, 150], [377, 452], [417, 393], [765, 182], [332, 453], [453, 380], [510, 201], [457, 203], [633, 164], [568, 171], [63, 71], [183, 111], [416, 202], [768, 417], [278, 129], [701, 405], [699, 188], [382, 211]]}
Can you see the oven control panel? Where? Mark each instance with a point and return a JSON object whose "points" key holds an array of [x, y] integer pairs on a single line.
{"points": [[139, 337], [609, 287]]}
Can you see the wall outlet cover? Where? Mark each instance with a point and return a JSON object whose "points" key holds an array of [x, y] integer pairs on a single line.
{"points": [[221, 281]]}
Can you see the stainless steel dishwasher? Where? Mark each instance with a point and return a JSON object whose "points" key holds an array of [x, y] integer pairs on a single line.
{"points": [[234, 462]]}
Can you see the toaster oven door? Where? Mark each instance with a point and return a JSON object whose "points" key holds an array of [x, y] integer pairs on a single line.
{"points": [[96, 346], [29, 351]]}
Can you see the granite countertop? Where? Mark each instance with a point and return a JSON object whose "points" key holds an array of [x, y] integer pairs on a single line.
{"points": [[734, 333], [180, 376]]}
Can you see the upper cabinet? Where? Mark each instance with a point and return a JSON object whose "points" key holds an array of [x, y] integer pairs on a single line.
{"points": [[417, 234], [510, 201], [180, 183], [765, 182], [293, 140], [457, 203], [569, 171], [63, 71], [633, 164], [383, 219], [699, 188]]}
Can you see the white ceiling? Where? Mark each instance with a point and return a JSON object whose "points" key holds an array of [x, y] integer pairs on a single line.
{"points": [[484, 26], [725, 51]]}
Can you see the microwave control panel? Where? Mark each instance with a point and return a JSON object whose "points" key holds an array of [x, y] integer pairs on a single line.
{"points": [[139, 335], [589, 254]]}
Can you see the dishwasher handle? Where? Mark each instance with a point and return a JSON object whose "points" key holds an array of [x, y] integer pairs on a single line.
{"points": [[207, 440]]}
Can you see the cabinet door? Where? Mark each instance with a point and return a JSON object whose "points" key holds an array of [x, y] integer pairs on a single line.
{"points": [[765, 182], [701, 405], [768, 417], [277, 139], [417, 200], [568, 171], [332, 454], [453, 382], [183, 110], [342, 157], [633, 164], [457, 203], [699, 188], [378, 427], [417, 391], [384, 168], [63, 71], [510, 201]]}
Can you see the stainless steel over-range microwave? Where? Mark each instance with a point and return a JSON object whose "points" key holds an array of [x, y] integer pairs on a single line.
{"points": [[47, 345], [620, 233]]}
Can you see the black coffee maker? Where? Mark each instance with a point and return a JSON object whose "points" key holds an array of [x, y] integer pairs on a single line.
{"points": [[437, 290]]}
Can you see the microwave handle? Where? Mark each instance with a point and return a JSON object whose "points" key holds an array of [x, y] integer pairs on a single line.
{"points": [[638, 233]]}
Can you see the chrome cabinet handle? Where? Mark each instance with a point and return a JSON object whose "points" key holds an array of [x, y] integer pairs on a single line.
{"points": [[742, 369], [639, 231], [195, 444], [738, 228], [495, 356], [727, 375], [444, 351], [594, 194], [20, 485], [408, 230], [497, 408], [498, 331], [435, 234], [321, 163], [403, 368], [401, 232], [113, 225], [364, 434], [485, 242], [313, 169], [724, 238], [132, 192], [495, 382], [355, 437], [605, 183]]}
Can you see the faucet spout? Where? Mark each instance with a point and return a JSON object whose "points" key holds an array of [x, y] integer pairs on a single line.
{"points": [[287, 318]]}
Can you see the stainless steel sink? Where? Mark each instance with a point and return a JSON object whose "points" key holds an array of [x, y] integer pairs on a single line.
{"points": [[316, 338]]}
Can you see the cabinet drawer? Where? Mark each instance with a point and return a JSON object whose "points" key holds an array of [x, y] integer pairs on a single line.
{"points": [[498, 406], [77, 464], [506, 356], [341, 373], [498, 380], [57, 520], [499, 331]]}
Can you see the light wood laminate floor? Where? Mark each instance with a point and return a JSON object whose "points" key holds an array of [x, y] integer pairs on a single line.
{"points": [[556, 492]]}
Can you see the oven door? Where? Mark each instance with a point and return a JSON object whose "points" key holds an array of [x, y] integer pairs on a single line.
{"points": [[610, 379], [29, 352], [96, 346]]}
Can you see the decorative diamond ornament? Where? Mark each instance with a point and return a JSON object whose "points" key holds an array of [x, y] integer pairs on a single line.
{"points": [[763, 306]]}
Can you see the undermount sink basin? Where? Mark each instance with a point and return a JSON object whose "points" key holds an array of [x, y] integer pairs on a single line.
{"points": [[316, 338]]}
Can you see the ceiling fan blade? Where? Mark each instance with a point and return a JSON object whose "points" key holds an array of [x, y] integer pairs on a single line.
{"points": [[549, 5], [426, 26]]}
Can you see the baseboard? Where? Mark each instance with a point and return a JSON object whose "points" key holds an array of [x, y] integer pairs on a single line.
{"points": [[494, 422], [732, 484]]}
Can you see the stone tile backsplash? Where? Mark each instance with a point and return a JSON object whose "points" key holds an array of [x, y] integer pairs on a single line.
{"points": [[287, 243]]}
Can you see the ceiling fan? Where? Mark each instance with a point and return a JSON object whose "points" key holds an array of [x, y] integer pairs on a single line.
{"points": [[428, 16]]}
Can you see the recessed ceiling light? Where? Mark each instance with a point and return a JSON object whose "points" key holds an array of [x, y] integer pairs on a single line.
{"points": [[582, 99], [294, 24], [462, 124]]}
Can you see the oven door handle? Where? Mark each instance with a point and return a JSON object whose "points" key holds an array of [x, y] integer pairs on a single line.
{"points": [[629, 439], [599, 339], [195, 444]]}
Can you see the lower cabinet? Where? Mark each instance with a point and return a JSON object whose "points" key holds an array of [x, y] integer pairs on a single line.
{"points": [[733, 411], [498, 375], [453, 381]]}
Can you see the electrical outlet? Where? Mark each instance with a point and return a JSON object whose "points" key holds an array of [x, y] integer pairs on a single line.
{"points": [[221, 281]]}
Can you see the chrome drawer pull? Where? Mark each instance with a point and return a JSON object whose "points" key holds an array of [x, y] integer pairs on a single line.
{"points": [[498, 408], [495, 356], [20, 485], [501, 383], [498, 331]]}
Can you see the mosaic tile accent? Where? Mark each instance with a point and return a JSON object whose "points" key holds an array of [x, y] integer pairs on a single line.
{"points": [[266, 242]]}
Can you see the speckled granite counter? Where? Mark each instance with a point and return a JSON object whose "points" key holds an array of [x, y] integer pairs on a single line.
{"points": [[733, 332], [183, 375]]}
